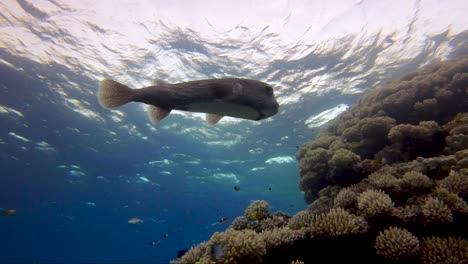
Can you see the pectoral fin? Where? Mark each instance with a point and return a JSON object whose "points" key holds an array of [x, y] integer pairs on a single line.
{"points": [[157, 114], [213, 119]]}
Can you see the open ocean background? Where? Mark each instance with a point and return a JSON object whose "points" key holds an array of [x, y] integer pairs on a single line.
{"points": [[76, 173]]}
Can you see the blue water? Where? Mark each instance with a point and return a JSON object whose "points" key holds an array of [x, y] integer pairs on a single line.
{"points": [[55, 223], [76, 173]]}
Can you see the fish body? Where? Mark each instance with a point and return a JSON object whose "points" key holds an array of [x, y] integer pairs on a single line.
{"points": [[234, 97], [135, 220], [9, 212]]}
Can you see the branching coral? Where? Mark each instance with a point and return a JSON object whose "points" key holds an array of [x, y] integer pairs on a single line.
{"points": [[193, 254], [455, 182], [346, 197], [257, 210], [414, 182], [372, 203], [458, 133], [337, 222], [300, 220], [435, 210], [235, 246], [444, 250], [396, 243], [279, 236], [240, 223]]}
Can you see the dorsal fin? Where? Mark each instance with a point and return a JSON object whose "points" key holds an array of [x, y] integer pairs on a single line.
{"points": [[213, 119], [158, 82], [157, 114]]}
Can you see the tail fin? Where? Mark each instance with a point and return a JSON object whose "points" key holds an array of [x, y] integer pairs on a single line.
{"points": [[113, 94]]}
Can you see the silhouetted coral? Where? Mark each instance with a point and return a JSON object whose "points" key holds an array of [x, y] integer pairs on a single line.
{"points": [[444, 250]]}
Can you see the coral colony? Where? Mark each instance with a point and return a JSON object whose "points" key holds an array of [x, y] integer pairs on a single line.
{"points": [[387, 181]]}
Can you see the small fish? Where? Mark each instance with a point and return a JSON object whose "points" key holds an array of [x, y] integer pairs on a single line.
{"points": [[154, 243], [166, 235], [91, 204], [135, 220], [221, 221], [9, 212], [241, 98], [237, 188]]}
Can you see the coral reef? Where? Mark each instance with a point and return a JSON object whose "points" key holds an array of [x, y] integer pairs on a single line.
{"points": [[444, 250], [396, 243], [386, 182], [257, 210]]}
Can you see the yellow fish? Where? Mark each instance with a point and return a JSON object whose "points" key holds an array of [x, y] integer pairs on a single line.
{"points": [[135, 220], [9, 212]]}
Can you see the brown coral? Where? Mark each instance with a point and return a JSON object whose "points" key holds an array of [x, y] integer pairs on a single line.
{"points": [[414, 181], [279, 236], [396, 243], [444, 250], [435, 210], [300, 220], [455, 182], [240, 223], [257, 210], [235, 246], [337, 222], [372, 203], [193, 254], [452, 200], [396, 123], [346, 197]]}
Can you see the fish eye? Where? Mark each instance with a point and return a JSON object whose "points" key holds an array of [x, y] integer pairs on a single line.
{"points": [[268, 90]]}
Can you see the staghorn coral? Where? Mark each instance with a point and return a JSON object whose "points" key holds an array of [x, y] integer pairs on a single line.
{"points": [[372, 203], [455, 182], [452, 200], [444, 250], [240, 223], [414, 182], [236, 246], [457, 129], [382, 179], [435, 210], [268, 223], [300, 220], [193, 254], [279, 236], [396, 243], [337, 222], [345, 198], [257, 210]]}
